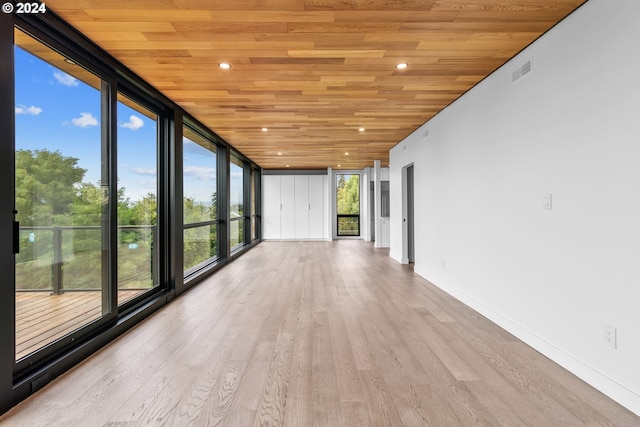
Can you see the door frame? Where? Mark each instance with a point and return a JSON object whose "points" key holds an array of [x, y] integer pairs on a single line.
{"points": [[408, 214]]}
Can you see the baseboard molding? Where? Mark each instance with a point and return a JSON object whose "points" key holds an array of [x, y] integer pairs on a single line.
{"points": [[616, 391]]}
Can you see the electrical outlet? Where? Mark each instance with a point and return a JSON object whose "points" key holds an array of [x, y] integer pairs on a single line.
{"points": [[609, 336]]}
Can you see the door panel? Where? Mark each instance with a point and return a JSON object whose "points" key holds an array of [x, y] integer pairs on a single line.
{"points": [[137, 199], [287, 214], [316, 207], [61, 197], [271, 201], [301, 206]]}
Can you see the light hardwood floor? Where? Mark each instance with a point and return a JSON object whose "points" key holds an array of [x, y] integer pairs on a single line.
{"points": [[317, 333]]}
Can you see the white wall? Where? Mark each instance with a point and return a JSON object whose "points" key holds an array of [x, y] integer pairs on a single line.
{"points": [[570, 128]]}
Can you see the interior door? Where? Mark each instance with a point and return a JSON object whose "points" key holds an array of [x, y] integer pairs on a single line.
{"points": [[410, 215]]}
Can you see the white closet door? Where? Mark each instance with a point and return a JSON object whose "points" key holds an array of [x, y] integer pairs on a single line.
{"points": [[271, 207], [316, 203], [302, 207], [287, 214]]}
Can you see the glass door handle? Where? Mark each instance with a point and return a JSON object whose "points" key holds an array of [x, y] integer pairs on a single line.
{"points": [[16, 237], [16, 234]]}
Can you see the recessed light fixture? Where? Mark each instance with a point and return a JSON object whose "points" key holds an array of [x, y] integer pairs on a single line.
{"points": [[346, 153], [68, 61], [287, 165], [224, 65], [339, 165], [361, 129], [402, 66], [279, 153], [265, 129]]}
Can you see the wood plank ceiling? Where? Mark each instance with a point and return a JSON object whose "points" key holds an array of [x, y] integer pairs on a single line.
{"points": [[313, 72]]}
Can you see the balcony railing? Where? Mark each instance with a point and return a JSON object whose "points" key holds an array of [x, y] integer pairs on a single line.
{"points": [[67, 258], [348, 224]]}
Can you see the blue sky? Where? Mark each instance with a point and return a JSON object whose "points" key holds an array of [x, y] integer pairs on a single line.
{"points": [[58, 112]]}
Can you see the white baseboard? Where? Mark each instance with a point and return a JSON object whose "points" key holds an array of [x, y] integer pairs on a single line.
{"points": [[616, 391]]}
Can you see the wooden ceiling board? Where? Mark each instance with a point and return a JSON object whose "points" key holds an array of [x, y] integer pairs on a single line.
{"points": [[313, 71]]}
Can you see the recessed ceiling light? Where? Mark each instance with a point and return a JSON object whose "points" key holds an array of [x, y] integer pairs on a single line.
{"points": [[68, 61], [224, 65], [402, 65], [339, 165], [287, 165], [279, 153], [361, 129], [346, 153], [264, 129]]}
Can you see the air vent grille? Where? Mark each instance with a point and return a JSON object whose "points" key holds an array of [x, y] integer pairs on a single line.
{"points": [[522, 70]]}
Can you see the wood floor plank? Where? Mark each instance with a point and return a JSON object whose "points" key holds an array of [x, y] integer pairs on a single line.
{"points": [[315, 334]]}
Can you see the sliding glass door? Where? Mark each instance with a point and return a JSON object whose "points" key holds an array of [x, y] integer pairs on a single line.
{"points": [[86, 200], [62, 194], [200, 202], [137, 199]]}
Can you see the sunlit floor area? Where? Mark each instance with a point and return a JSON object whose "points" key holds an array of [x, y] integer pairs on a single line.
{"points": [[317, 334], [43, 317]]}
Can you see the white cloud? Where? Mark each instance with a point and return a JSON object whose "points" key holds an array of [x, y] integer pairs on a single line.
{"points": [[144, 171], [30, 111], [85, 120], [65, 79], [134, 123], [148, 184], [201, 173]]}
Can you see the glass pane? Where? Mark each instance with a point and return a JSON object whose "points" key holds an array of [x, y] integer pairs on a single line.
{"points": [[200, 201], [254, 234], [237, 234], [348, 226], [200, 246], [348, 194], [348, 204], [137, 199], [237, 183], [61, 197]]}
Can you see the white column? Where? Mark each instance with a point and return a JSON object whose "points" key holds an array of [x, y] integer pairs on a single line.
{"points": [[330, 205], [377, 172]]}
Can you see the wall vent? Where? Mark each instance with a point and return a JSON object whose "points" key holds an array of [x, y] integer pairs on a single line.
{"points": [[522, 70]]}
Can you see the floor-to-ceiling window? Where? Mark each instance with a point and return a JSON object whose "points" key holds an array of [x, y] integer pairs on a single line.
{"points": [[200, 201], [348, 204], [61, 197], [90, 172], [137, 199], [236, 203], [254, 204]]}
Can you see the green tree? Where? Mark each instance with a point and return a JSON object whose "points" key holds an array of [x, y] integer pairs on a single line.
{"points": [[348, 194], [46, 186], [87, 206], [200, 243]]}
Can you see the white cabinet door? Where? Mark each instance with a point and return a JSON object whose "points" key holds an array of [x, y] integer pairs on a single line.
{"points": [[316, 207], [271, 207], [302, 206], [287, 214]]}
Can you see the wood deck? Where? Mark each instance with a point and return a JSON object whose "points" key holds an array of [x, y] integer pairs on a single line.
{"points": [[317, 334], [42, 318]]}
